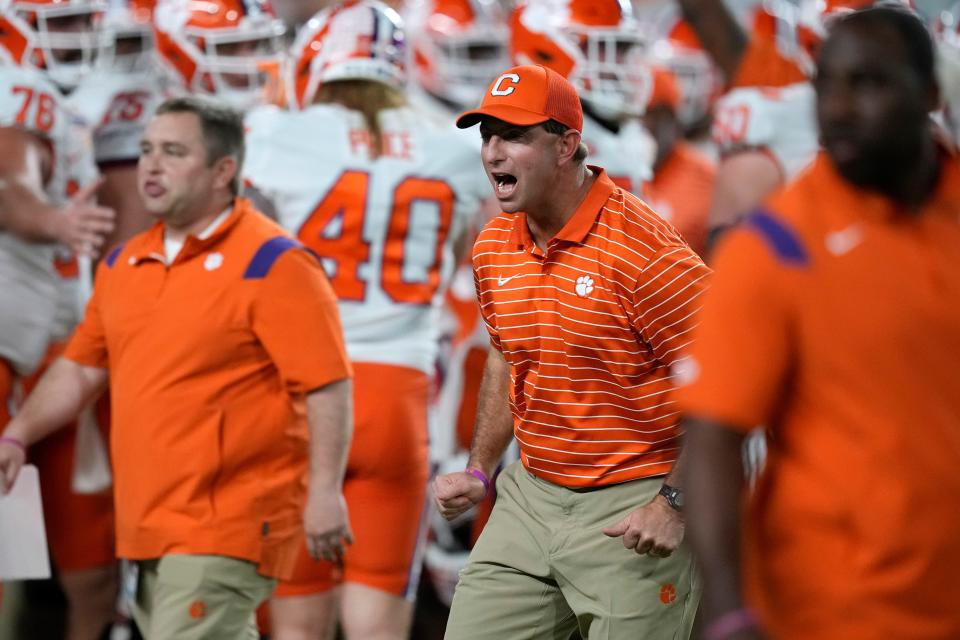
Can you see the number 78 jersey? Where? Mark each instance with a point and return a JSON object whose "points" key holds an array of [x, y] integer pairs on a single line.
{"points": [[385, 228]]}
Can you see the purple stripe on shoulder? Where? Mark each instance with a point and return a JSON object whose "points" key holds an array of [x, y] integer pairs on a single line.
{"points": [[786, 244], [111, 258], [267, 255]]}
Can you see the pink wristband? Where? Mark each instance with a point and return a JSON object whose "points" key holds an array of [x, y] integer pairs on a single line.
{"points": [[14, 442], [482, 477], [730, 623]]}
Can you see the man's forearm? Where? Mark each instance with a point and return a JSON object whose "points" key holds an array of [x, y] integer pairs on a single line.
{"points": [[713, 483], [494, 427], [63, 391], [330, 415], [25, 213], [676, 476]]}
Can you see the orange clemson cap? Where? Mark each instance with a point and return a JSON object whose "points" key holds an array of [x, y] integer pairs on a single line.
{"points": [[528, 95]]}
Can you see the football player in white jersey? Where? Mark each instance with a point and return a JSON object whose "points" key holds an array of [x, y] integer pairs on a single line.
{"points": [[381, 195], [116, 100], [47, 184], [597, 45], [46, 175]]}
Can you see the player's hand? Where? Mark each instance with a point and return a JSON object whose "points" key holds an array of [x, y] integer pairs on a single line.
{"points": [[12, 458], [326, 525], [82, 225], [655, 528], [455, 493]]}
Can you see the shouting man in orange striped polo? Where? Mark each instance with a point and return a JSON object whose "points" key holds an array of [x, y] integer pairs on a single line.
{"points": [[589, 298]]}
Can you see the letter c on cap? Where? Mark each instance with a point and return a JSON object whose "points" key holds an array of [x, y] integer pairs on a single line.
{"points": [[497, 91]]}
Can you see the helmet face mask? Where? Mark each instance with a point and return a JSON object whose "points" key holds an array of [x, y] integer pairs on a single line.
{"points": [[132, 47], [226, 48], [355, 40], [237, 66], [609, 75], [68, 39]]}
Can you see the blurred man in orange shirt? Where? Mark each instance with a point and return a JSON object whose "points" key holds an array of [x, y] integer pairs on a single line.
{"points": [[682, 176], [228, 376], [833, 319]]}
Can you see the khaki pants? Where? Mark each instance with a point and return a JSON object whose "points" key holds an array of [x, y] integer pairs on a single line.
{"points": [[542, 568], [194, 597]]}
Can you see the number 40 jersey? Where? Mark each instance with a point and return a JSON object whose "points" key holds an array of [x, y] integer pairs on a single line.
{"points": [[384, 227]]}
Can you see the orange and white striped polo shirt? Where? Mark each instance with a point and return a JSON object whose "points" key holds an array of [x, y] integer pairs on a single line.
{"points": [[590, 328]]}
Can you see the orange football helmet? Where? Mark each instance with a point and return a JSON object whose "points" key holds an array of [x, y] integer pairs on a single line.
{"points": [[357, 39], [596, 44], [458, 47], [65, 38], [225, 48]]}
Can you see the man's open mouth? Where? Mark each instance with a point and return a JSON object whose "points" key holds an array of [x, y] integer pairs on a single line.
{"points": [[504, 184]]}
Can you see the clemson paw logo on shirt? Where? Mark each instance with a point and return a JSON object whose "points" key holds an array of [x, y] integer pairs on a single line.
{"points": [[584, 286], [668, 593], [213, 261], [198, 609]]}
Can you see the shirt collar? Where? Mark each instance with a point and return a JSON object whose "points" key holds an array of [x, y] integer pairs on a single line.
{"points": [[152, 245], [582, 220], [206, 233]]}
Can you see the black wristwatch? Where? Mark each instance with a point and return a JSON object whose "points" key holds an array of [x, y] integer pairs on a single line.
{"points": [[673, 495]]}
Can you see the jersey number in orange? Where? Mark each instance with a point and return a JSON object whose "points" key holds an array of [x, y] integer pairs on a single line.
{"points": [[346, 202], [41, 105]]}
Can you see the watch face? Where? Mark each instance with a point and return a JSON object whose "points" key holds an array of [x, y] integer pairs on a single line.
{"points": [[673, 495]]}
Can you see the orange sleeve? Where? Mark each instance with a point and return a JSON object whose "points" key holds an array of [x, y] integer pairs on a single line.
{"points": [[88, 345], [740, 357], [296, 319], [764, 65], [666, 300]]}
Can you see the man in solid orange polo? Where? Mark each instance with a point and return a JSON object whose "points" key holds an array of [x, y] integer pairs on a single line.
{"points": [[588, 297], [228, 378], [834, 320]]}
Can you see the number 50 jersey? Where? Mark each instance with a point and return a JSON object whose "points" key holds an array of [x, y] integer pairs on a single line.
{"points": [[384, 227]]}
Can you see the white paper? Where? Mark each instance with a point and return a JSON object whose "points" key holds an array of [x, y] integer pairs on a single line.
{"points": [[23, 538]]}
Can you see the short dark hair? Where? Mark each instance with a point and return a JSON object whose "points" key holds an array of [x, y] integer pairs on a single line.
{"points": [[558, 129], [222, 128], [913, 34]]}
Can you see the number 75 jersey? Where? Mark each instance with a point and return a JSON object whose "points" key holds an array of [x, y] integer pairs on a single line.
{"points": [[385, 228]]}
